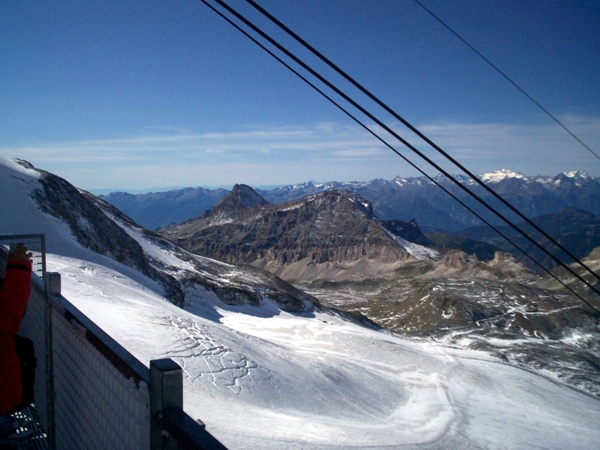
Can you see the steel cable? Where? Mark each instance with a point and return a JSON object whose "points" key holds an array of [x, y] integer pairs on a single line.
{"points": [[428, 141], [519, 88], [256, 29]]}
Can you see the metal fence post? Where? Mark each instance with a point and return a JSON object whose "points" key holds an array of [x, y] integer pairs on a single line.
{"points": [[53, 287], [166, 391]]}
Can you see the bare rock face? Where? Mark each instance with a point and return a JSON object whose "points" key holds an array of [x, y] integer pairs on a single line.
{"points": [[503, 258], [595, 254], [456, 259], [90, 226], [93, 229], [331, 227]]}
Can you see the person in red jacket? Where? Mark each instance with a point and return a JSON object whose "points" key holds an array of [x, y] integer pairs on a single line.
{"points": [[14, 295]]}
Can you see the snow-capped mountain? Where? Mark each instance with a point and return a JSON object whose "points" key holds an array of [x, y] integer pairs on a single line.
{"points": [[398, 199], [261, 377], [418, 198], [499, 175]]}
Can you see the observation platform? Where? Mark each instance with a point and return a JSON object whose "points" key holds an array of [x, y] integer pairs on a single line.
{"points": [[90, 392]]}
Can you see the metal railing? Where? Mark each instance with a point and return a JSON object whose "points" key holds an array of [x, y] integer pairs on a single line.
{"points": [[36, 243], [90, 391]]}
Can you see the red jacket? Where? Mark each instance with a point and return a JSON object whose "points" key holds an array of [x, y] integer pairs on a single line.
{"points": [[14, 295]]}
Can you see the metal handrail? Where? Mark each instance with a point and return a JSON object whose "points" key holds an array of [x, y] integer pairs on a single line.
{"points": [[174, 424], [167, 417]]}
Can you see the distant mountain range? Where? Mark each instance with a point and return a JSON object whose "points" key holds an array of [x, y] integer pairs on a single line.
{"points": [[576, 230], [401, 199], [418, 198], [158, 209]]}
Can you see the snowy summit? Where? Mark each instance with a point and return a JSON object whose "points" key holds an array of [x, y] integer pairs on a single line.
{"points": [[499, 175], [577, 174]]}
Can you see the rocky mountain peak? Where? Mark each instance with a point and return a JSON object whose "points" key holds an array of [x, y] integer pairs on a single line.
{"points": [[503, 258], [296, 237], [337, 200], [456, 259], [595, 254], [577, 178], [241, 196], [234, 206]]}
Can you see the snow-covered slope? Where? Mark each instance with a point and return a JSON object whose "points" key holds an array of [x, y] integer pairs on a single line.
{"points": [[263, 378]]}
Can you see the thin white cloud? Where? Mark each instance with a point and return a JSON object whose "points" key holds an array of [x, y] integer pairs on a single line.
{"points": [[265, 140], [359, 152], [323, 152], [533, 149]]}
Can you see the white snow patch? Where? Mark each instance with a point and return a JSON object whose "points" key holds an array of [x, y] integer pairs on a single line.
{"points": [[577, 174], [418, 251]]}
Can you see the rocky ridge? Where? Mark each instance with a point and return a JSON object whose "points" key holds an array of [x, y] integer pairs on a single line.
{"points": [[102, 228], [329, 232]]}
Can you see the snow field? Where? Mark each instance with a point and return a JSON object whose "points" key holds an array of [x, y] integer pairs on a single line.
{"points": [[260, 378]]}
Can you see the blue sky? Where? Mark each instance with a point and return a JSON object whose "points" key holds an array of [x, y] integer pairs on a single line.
{"points": [[135, 95]]}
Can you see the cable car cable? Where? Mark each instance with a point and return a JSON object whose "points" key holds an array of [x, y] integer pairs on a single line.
{"points": [[478, 53], [406, 143], [428, 141], [398, 153]]}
